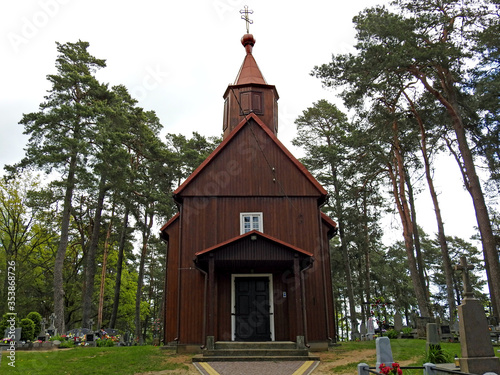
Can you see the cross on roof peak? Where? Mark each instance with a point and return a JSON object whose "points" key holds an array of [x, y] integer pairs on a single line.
{"points": [[244, 16]]}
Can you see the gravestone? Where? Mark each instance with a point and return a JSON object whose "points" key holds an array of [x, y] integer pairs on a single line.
{"points": [[128, 338], [41, 336], [355, 335], [52, 331], [478, 356], [398, 322], [17, 334], [384, 351], [362, 331], [90, 338], [432, 335], [371, 328]]}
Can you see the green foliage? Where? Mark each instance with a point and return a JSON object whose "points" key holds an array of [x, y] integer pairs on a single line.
{"points": [[27, 329], [436, 354], [407, 330], [6, 322], [67, 344], [105, 343], [392, 334], [37, 320]]}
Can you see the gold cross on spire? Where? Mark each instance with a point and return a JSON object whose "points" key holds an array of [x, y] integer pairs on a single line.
{"points": [[244, 16]]}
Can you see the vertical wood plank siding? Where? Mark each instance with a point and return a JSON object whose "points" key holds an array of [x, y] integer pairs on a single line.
{"points": [[245, 168], [252, 174]]}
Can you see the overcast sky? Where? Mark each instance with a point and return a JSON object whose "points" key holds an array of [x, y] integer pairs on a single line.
{"points": [[177, 58]]}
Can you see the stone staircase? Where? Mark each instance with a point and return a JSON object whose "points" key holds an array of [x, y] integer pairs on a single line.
{"points": [[231, 351]]}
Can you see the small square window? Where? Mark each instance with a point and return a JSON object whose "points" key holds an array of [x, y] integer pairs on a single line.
{"points": [[250, 221]]}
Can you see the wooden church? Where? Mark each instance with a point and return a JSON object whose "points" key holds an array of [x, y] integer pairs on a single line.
{"points": [[248, 252]]}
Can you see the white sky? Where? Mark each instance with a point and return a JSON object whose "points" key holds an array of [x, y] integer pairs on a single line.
{"points": [[177, 58]]}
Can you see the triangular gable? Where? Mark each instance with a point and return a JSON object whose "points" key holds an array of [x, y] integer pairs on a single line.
{"points": [[316, 187], [258, 234]]}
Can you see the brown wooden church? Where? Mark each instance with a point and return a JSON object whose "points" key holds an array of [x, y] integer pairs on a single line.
{"points": [[247, 253]]}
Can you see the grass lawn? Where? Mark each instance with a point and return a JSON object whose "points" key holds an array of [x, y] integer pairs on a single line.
{"points": [[342, 359], [83, 361], [407, 352]]}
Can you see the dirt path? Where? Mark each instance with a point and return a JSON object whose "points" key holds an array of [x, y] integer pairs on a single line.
{"points": [[329, 360]]}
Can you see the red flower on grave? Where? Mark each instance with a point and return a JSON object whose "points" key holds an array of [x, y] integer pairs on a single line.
{"points": [[394, 370]]}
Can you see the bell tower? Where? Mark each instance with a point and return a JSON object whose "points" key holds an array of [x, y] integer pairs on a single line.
{"points": [[250, 92]]}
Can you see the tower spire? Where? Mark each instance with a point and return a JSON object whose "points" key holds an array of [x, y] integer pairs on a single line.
{"points": [[250, 93]]}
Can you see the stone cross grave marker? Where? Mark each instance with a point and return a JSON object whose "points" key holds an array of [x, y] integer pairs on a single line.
{"points": [[465, 268]]}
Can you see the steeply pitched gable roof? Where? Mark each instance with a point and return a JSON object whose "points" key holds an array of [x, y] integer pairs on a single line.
{"points": [[220, 149]]}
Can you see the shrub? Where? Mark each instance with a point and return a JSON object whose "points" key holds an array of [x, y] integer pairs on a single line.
{"points": [[392, 334], [4, 324], [27, 329], [407, 330], [106, 342], [66, 344], [37, 319], [435, 354]]}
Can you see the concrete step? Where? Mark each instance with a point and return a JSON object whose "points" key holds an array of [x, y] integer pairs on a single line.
{"points": [[201, 358], [224, 345], [256, 353]]}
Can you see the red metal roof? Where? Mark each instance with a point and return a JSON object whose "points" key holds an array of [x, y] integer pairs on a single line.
{"points": [[249, 71], [328, 220], [254, 232]]}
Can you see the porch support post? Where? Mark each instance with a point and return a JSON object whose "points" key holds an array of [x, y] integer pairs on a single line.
{"points": [[211, 296], [298, 295]]}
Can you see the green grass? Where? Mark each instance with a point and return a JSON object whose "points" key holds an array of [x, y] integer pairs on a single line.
{"points": [[87, 361], [402, 350]]}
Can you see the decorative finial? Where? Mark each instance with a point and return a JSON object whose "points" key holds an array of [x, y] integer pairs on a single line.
{"points": [[245, 12]]}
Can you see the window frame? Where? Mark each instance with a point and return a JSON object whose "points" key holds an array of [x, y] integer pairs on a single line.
{"points": [[251, 215]]}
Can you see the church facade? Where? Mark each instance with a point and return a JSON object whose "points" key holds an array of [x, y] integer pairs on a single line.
{"points": [[248, 251]]}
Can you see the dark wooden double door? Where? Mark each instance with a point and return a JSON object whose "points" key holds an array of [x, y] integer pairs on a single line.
{"points": [[252, 309]]}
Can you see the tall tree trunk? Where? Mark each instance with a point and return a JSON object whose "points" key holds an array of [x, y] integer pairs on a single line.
{"points": [[345, 253], [91, 254], [367, 254], [443, 244], [416, 238], [119, 267], [61, 248], [397, 175], [472, 182], [148, 223], [103, 271]]}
